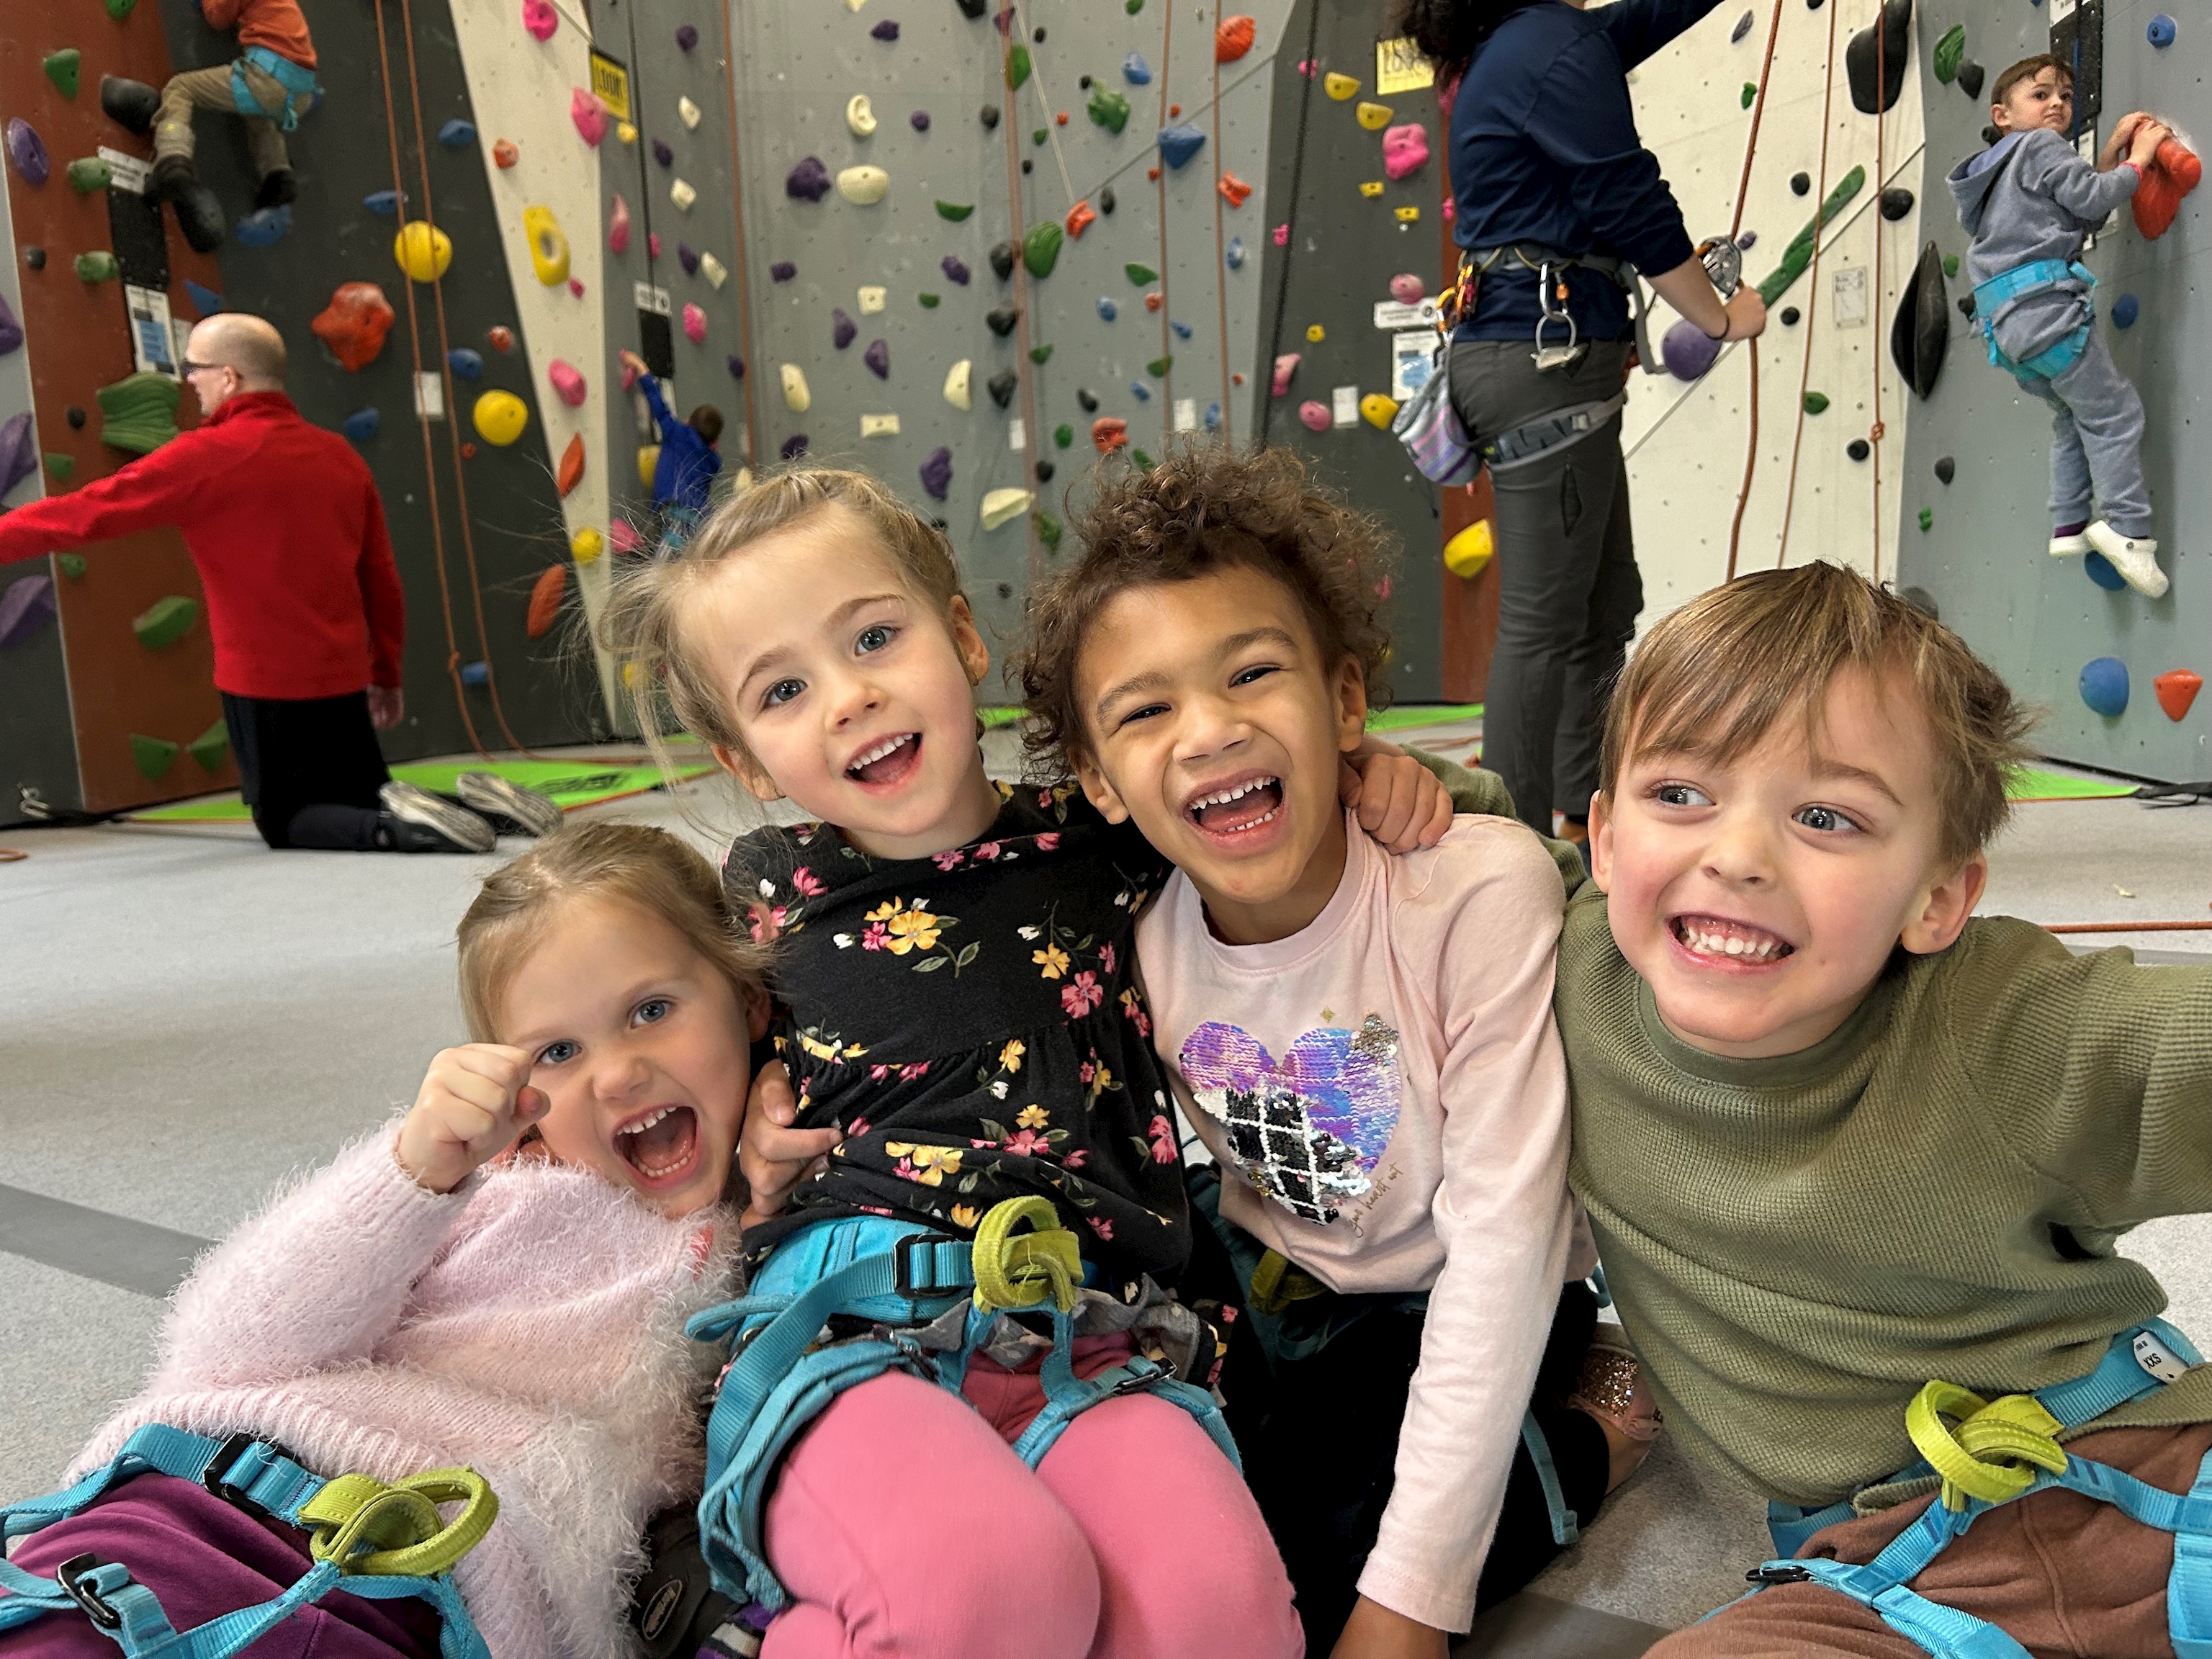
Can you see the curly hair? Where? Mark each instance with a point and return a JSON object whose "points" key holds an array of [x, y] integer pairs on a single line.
{"points": [[1448, 31], [1206, 507]]}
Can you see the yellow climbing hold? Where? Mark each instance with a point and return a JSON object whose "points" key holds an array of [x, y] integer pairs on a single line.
{"points": [[587, 545], [1339, 87], [1373, 117], [796, 398], [1002, 505], [873, 299], [649, 462], [1316, 333], [1372, 188], [1379, 409], [863, 186], [422, 251], [1467, 553], [501, 417], [549, 245], [860, 115], [879, 426], [1406, 215], [956, 381]]}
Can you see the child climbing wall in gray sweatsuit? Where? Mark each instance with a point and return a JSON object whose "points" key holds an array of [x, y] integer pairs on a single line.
{"points": [[2028, 200]]}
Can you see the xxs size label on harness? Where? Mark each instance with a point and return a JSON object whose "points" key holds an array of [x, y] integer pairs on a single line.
{"points": [[2159, 1360]]}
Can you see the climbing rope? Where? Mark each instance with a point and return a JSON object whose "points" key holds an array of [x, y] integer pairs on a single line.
{"points": [[1307, 69], [1160, 179], [744, 267], [1813, 289], [1735, 227], [1221, 259], [1025, 388], [1881, 172]]}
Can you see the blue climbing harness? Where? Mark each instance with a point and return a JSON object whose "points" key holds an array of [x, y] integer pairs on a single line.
{"points": [[367, 1539], [2007, 286], [2024, 1459], [298, 84], [898, 1280]]}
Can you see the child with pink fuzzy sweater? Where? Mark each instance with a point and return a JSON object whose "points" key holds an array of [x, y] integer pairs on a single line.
{"points": [[499, 1278]]}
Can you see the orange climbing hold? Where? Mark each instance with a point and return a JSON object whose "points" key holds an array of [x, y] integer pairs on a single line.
{"points": [[570, 472], [1061, 119], [545, 600], [1109, 432], [501, 337], [1153, 301], [1234, 189], [2173, 172], [354, 324], [504, 153], [1078, 220], [1152, 173], [1232, 38], [1174, 110], [2176, 691]]}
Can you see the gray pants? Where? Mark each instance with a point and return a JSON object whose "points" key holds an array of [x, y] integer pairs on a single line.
{"points": [[1568, 588], [210, 88], [2096, 424]]}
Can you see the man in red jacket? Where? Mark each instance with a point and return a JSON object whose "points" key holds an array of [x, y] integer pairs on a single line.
{"points": [[304, 604]]}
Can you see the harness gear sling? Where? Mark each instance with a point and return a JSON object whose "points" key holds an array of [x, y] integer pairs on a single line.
{"points": [[2004, 289], [298, 82], [895, 1281], [2001, 1451], [368, 1537]]}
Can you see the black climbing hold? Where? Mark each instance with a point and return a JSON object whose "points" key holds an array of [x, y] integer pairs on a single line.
{"points": [[36, 258], [1005, 590], [1043, 469], [1799, 183], [1026, 166], [1088, 399], [1859, 58], [1921, 600], [199, 216], [1084, 81], [793, 447], [1002, 261], [131, 105], [1922, 328], [1106, 199], [1992, 134], [971, 10], [1896, 203], [1789, 316], [1970, 78], [1857, 449], [662, 153], [1965, 305], [1001, 386], [939, 524], [1037, 34], [75, 416], [1001, 320], [1812, 5], [1946, 469], [989, 115]]}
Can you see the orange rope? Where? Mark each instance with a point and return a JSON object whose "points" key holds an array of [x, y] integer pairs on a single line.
{"points": [[1813, 291], [1735, 226], [2127, 926], [1881, 183], [1025, 381], [1159, 168], [1220, 258], [737, 208]]}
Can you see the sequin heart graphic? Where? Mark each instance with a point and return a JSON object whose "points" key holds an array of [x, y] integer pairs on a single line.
{"points": [[1307, 1129]]}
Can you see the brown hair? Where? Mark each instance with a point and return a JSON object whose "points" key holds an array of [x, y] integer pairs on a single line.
{"points": [[2027, 69], [1717, 675], [707, 421], [1205, 508], [644, 624], [636, 863]]}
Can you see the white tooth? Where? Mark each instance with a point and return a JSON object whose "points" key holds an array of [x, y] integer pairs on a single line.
{"points": [[1735, 947]]}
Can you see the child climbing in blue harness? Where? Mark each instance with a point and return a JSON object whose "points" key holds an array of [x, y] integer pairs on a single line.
{"points": [[269, 85], [685, 471], [1008, 1447], [1857, 1159], [2029, 201], [492, 1288]]}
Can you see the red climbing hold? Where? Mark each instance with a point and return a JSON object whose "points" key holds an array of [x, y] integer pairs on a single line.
{"points": [[545, 601], [1153, 302], [2176, 691], [501, 337], [2173, 172], [1109, 432], [1078, 220], [354, 324], [1234, 189], [504, 152], [1232, 38], [468, 451], [1152, 173], [1061, 119], [570, 473]]}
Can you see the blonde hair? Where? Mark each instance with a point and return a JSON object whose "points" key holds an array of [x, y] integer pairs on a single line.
{"points": [[636, 863], [1713, 678], [645, 624]]}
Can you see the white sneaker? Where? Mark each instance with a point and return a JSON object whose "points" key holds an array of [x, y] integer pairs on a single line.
{"points": [[2063, 547], [2134, 558], [496, 798]]}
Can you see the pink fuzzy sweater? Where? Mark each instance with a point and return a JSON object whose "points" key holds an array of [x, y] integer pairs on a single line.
{"points": [[530, 1324]]}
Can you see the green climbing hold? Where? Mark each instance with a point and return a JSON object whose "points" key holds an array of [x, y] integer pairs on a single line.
{"points": [[1816, 402], [61, 69], [120, 9], [954, 212], [138, 413], [1109, 109], [165, 621], [210, 746], [1750, 92], [1017, 65], [1038, 135], [1159, 367], [1133, 7], [1040, 248], [88, 173], [97, 266], [72, 564], [1799, 253], [1048, 529], [1950, 264], [152, 755], [1141, 461], [59, 467], [1041, 354], [1063, 435], [928, 301], [1927, 517], [1139, 274], [1948, 51]]}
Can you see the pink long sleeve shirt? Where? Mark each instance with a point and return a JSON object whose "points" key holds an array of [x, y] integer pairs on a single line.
{"points": [[530, 1324], [1386, 1093]]}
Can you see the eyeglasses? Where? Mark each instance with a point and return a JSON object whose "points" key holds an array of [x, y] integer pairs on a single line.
{"points": [[192, 367]]}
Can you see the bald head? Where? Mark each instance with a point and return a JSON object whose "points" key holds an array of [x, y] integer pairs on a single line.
{"points": [[250, 345]]}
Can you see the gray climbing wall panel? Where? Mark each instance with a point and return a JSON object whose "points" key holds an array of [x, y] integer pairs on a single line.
{"points": [[2037, 618]]}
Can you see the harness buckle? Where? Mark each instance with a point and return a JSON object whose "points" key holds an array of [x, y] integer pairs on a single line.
{"points": [[70, 1576], [1142, 1373], [1770, 1573], [902, 1281], [227, 1454]]}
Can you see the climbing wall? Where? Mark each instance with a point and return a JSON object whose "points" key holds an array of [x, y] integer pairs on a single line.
{"points": [[2044, 620]]}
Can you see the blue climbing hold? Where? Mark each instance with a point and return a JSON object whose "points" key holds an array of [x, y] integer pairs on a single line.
{"points": [[737, 367], [1213, 418], [362, 424], [2105, 686], [2100, 570], [205, 301], [476, 673], [1179, 145], [2125, 310], [1234, 259], [1107, 309], [465, 362], [1183, 329], [458, 134], [385, 202], [2161, 32], [264, 226], [1135, 70], [1140, 391]]}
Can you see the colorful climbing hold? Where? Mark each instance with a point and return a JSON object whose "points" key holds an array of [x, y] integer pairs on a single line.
{"points": [[1467, 552], [1750, 93], [954, 212], [570, 471], [458, 134], [1280, 380], [2176, 689], [588, 114], [782, 271], [1080, 218], [138, 413], [153, 756], [545, 597], [809, 180], [2125, 310], [842, 329], [60, 468], [927, 301], [686, 36], [1017, 64], [61, 68], [1816, 402], [919, 120], [422, 251], [97, 266], [165, 621], [73, 565], [1107, 309], [937, 473], [1948, 50], [713, 270], [1233, 256], [1140, 391], [362, 424], [860, 116], [567, 382], [2174, 172], [1233, 38], [500, 337], [548, 245], [1378, 409], [354, 324], [1108, 108], [1041, 354], [1927, 519], [1339, 87], [587, 545], [88, 173], [210, 747], [499, 417], [1004, 506], [695, 324], [504, 154], [797, 398], [863, 186], [2100, 570], [1405, 150], [886, 31], [688, 258], [873, 298], [2160, 33], [878, 357], [2105, 686], [1139, 274], [1950, 264], [1040, 248], [664, 153], [1373, 117], [1407, 289], [383, 203], [1108, 433], [1688, 350], [26, 606], [1158, 367], [1314, 415], [1234, 191], [540, 19], [1063, 435], [27, 152], [1135, 70], [1179, 144]]}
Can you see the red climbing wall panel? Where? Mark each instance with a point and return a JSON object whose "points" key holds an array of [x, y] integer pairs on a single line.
{"points": [[79, 340]]}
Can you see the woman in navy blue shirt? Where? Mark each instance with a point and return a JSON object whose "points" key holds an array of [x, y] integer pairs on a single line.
{"points": [[1546, 166]]}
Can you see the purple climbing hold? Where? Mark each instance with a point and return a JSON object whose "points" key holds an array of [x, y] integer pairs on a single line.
{"points": [[809, 181], [782, 270], [737, 367], [886, 30], [937, 473], [919, 120], [11, 332], [842, 329], [878, 357], [19, 454], [955, 268], [27, 151], [662, 153], [1688, 350], [795, 446], [25, 607], [687, 257], [1748, 240], [686, 36]]}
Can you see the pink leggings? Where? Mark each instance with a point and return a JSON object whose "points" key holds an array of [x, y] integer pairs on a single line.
{"points": [[905, 1527]]}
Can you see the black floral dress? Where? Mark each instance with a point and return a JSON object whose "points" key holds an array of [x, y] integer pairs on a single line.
{"points": [[971, 1022]]}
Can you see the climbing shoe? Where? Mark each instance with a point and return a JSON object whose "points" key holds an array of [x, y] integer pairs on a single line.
{"points": [[508, 803], [2136, 557], [131, 105], [172, 177], [421, 821], [199, 216], [2066, 541], [278, 188]]}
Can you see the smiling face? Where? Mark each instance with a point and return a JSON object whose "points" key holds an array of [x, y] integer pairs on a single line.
{"points": [[1212, 721], [1760, 897], [854, 697], [2044, 100], [642, 1046]]}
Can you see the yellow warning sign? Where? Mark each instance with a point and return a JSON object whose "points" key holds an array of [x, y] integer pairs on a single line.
{"points": [[1399, 67], [611, 81]]}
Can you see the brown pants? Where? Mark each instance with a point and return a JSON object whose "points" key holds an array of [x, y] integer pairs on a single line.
{"points": [[2061, 1574], [210, 88]]}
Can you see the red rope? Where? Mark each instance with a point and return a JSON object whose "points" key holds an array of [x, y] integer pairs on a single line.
{"points": [[1812, 293], [1881, 183], [1735, 226]]}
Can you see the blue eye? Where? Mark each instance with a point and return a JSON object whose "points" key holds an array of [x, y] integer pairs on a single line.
{"points": [[557, 1054], [873, 638], [782, 692], [653, 1011], [1825, 819]]}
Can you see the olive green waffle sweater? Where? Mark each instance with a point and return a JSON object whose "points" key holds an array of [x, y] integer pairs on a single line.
{"points": [[1797, 1244]]}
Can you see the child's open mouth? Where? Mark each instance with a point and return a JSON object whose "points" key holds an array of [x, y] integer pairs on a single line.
{"points": [[888, 762], [1238, 809], [1717, 939], [661, 1143]]}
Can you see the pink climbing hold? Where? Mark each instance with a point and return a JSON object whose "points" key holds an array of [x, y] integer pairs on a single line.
{"points": [[575, 288], [1405, 149], [1314, 415], [695, 324], [1285, 365], [1406, 289], [1282, 234], [540, 19], [630, 375], [567, 382], [618, 226], [652, 243], [622, 536], [589, 114]]}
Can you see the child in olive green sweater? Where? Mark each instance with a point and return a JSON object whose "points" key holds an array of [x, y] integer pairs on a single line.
{"points": [[1837, 1137]]}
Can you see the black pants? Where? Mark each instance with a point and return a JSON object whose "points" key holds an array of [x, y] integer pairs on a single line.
{"points": [[309, 768], [1568, 587]]}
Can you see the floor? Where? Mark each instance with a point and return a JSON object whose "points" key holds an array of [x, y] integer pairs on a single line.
{"points": [[186, 1018]]}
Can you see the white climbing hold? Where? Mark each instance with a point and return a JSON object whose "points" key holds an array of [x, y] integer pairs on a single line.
{"points": [[681, 194], [861, 115], [1001, 506], [873, 299], [713, 270], [879, 426], [863, 186], [687, 112], [796, 398], [854, 5], [956, 385]]}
